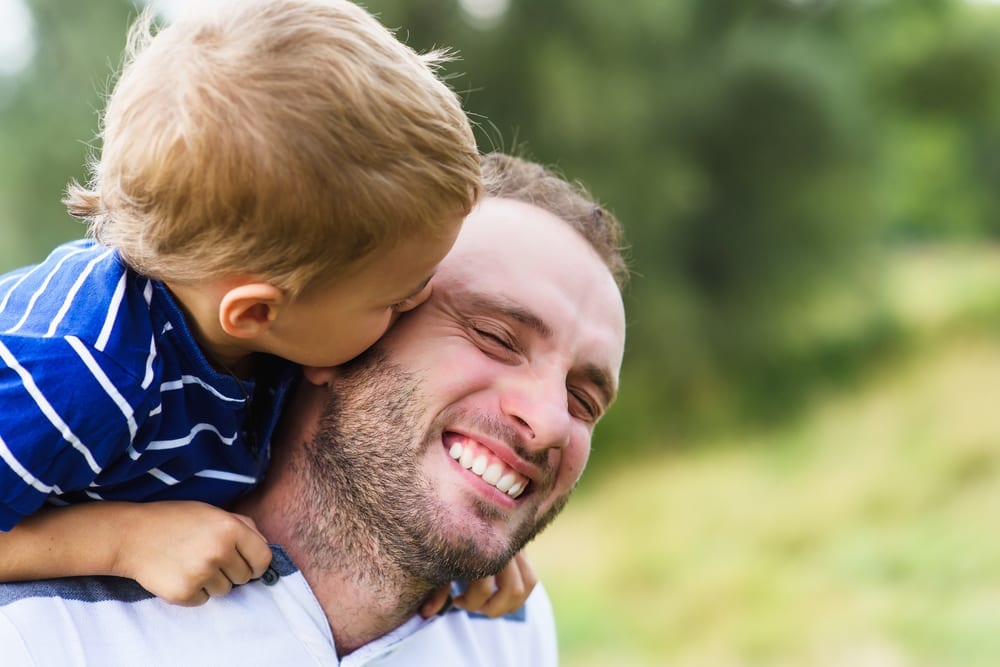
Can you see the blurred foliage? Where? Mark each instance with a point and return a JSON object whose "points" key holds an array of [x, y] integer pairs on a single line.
{"points": [[858, 536], [48, 117], [764, 155]]}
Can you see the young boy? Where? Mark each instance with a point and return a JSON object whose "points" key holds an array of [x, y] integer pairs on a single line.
{"points": [[278, 180]]}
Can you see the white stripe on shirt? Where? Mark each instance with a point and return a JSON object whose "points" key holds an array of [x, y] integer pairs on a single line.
{"points": [[39, 291], [106, 384], [47, 409], [109, 322], [16, 466], [226, 476], [162, 476], [191, 379], [148, 378], [68, 301], [14, 275], [181, 442]]}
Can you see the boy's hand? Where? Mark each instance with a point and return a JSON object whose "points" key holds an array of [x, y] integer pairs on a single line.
{"points": [[436, 602], [186, 552], [502, 594]]}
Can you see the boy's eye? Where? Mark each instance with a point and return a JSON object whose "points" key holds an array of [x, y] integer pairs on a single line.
{"points": [[412, 301]]}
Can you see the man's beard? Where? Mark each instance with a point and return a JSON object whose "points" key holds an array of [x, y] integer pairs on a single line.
{"points": [[369, 510]]}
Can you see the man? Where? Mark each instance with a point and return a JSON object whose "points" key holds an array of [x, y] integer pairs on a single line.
{"points": [[435, 457]]}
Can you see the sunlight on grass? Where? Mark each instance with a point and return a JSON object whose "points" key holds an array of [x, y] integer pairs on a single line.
{"points": [[929, 287], [863, 535]]}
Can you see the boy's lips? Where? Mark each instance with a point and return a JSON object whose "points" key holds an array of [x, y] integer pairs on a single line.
{"points": [[481, 461]]}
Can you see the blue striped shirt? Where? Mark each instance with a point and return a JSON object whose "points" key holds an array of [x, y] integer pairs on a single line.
{"points": [[104, 393]]}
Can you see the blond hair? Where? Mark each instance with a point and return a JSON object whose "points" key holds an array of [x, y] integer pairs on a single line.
{"points": [[282, 138], [510, 177]]}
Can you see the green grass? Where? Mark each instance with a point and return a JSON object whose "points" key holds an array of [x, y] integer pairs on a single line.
{"points": [[863, 534]]}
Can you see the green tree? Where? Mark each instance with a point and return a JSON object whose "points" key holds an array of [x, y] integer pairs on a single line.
{"points": [[49, 117]]}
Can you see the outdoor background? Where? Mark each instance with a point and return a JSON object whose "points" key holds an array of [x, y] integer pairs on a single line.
{"points": [[803, 466]]}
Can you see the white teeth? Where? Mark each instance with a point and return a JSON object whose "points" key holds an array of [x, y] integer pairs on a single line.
{"points": [[505, 482], [492, 474], [466, 460], [479, 465]]}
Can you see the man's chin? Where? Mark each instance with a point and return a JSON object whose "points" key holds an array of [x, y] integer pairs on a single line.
{"points": [[467, 550], [482, 544]]}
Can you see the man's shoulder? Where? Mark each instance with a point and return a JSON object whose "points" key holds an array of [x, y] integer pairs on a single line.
{"points": [[94, 589], [76, 589], [274, 620], [459, 637]]}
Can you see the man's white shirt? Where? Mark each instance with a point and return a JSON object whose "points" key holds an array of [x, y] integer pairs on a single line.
{"points": [[106, 621]]}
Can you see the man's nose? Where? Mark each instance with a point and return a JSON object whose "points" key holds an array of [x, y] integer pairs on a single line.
{"points": [[540, 408]]}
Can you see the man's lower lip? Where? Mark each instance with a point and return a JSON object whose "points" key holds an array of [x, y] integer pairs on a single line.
{"points": [[486, 487]]}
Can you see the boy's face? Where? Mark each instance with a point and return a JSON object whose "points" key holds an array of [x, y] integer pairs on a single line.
{"points": [[330, 325]]}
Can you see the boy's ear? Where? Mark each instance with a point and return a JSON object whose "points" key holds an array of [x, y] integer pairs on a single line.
{"points": [[247, 310]]}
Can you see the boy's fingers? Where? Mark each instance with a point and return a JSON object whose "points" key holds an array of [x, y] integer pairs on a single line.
{"points": [[476, 595], [237, 570], [528, 575], [195, 600], [510, 594], [256, 553], [436, 602], [251, 524], [218, 585]]}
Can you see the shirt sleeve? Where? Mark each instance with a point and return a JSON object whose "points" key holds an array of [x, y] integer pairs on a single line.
{"points": [[68, 411]]}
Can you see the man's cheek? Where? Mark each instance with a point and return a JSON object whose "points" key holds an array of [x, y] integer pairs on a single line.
{"points": [[568, 465], [574, 461]]}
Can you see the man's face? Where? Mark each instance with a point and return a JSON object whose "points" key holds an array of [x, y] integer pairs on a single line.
{"points": [[490, 392]]}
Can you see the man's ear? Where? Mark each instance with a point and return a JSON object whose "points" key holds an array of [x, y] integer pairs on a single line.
{"points": [[247, 310], [319, 375]]}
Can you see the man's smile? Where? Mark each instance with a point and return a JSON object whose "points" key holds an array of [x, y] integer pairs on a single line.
{"points": [[483, 463]]}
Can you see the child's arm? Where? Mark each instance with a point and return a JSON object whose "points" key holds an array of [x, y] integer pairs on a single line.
{"points": [[493, 596], [181, 551]]}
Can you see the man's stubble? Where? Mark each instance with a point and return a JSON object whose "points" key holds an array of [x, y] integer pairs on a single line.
{"points": [[369, 509]]}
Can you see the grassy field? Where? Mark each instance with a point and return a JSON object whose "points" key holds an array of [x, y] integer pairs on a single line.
{"points": [[861, 535]]}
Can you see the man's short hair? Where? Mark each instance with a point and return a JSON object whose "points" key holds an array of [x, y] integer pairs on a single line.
{"points": [[514, 178], [282, 138]]}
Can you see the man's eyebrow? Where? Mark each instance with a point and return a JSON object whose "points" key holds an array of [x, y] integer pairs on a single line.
{"points": [[509, 309]]}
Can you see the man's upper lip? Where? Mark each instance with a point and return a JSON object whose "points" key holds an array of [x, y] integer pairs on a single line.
{"points": [[502, 451]]}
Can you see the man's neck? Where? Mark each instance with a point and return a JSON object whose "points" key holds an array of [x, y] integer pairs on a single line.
{"points": [[358, 609], [361, 603], [362, 594]]}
